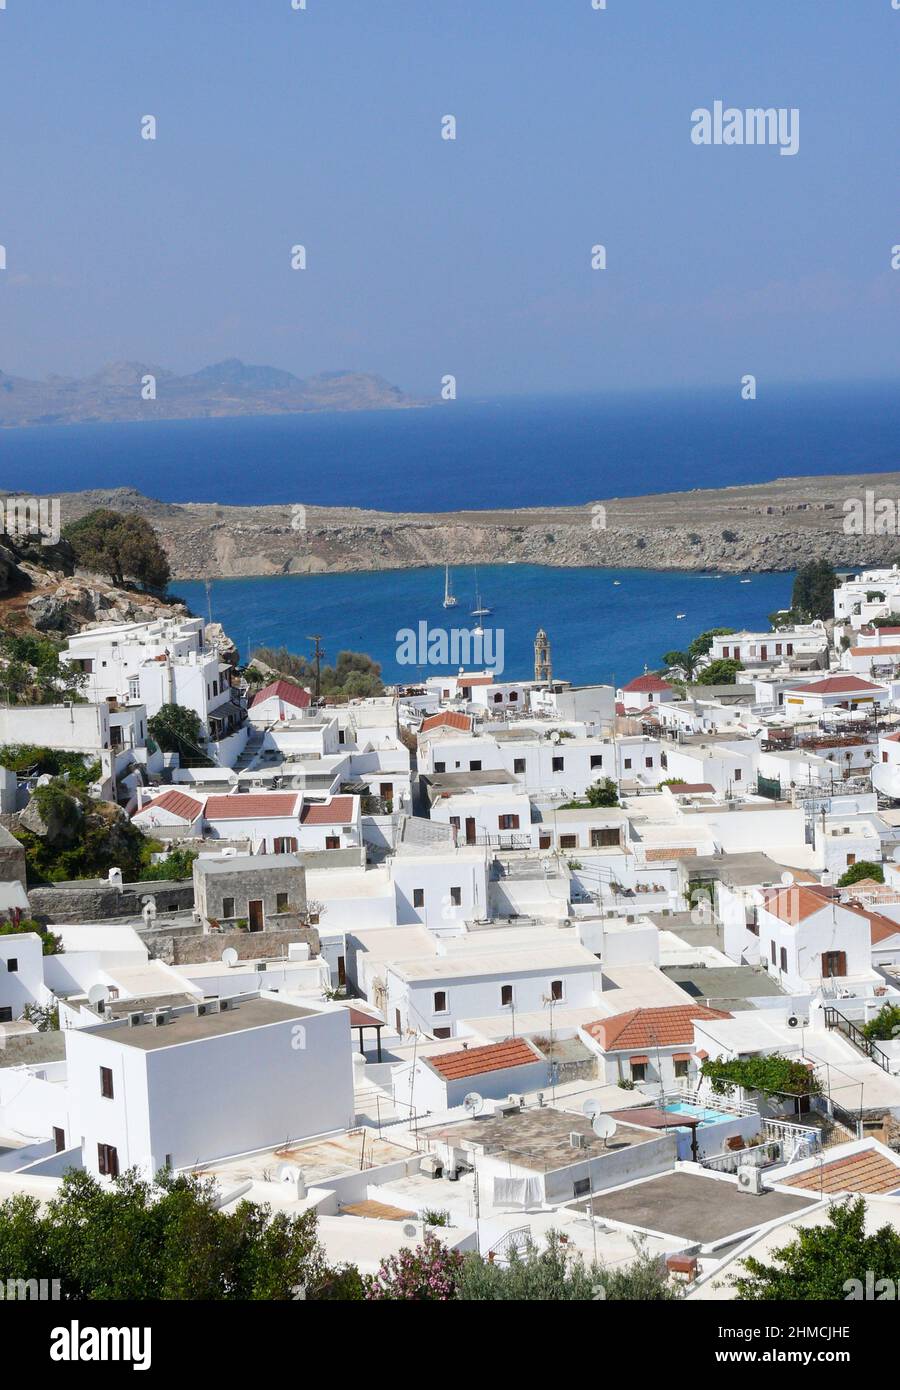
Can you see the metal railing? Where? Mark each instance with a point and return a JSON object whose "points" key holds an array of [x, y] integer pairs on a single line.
{"points": [[835, 1019]]}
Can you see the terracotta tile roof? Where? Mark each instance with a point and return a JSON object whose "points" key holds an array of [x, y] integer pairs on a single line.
{"points": [[251, 805], [177, 804], [874, 651], [447, 719], [476, 680], [337, 811], [475, 1061], [283, 690], [644, 684], [795, 903], [665, 1026], [676, 852], [881, 927], [681, 787], [868, 1171], [835, 685]]}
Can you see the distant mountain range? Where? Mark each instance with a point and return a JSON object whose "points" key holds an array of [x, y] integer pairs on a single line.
{"points": [[123, 391]]}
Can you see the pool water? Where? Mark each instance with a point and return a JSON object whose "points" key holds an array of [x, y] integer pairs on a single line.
{"points": [[697, 1112]]}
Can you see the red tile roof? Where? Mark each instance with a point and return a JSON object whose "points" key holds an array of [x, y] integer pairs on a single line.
{"points": [[474, 1061], [796, 902], [447, 719], [338, 810], [868, 1171], [177, 804], [283, 690], [647, 683], [835, 685], [680, 787], [665, 1026], [874, 651], [251, 805]]}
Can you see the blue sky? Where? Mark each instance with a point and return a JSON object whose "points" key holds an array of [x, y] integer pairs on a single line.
{"points": [[428, 256]]}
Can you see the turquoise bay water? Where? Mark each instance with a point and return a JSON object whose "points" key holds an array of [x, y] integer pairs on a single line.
{"points": [[599, 630]]}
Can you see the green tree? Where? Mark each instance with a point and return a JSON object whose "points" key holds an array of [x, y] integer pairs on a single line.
{"points": [[866, 868], [178, 864], [554, 1274], [885, 1026], [831, 1261], [685, 662], [702, 645], [770, 1075], [121, 545], [354, 675], [603, 793], [178, 729], [722, 672], [813, 592], [51, 944], [135, 1240]]}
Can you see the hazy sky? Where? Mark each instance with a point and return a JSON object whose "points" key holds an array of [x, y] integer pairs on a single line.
{"points": [[428, 256]]}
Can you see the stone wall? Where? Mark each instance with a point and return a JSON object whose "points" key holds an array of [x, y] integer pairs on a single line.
{"points": [[258, 945], [95, 901]]}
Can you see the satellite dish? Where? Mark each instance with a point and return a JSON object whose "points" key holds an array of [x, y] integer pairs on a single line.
{"points": [[787, 878], [288, 1172], [604, 1126], [410, 1229], [98, 994], [230, 956], [473, 1103], [590, 1108]]}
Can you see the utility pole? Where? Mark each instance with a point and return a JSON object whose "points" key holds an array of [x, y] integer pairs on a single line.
{"points": [[317, 657]]}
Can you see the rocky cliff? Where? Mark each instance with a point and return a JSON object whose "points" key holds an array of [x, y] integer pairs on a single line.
{"points": [[769, 526]]}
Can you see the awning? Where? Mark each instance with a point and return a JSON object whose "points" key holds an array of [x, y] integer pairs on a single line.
{"points": [[702, 1056], [681, 1056], [638, 1061]]}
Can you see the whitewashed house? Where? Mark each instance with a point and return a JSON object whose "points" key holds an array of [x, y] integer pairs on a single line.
{"points": [[279, 700], [185, 1086]]}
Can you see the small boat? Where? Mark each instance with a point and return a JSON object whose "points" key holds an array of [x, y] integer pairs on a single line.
{"points": [[479, 611], [681, 615], [616, 583], [746, 581], [449, 600]]}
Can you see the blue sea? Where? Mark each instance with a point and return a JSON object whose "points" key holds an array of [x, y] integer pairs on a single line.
{"points": [[470, 455], [599, 630], [529, 452]]}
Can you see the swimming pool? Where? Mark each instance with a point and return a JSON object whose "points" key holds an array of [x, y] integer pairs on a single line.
{"points": [[698, 1112]]}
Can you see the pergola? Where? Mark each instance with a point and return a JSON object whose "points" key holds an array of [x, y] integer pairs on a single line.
{"points": [[361, 1021]]}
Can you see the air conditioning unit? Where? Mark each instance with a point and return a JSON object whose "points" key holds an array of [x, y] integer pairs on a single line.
{"points": [[577, 1140], [161, 1017], [135, 1020], [210, 1006], [516, 1100], [750, 1179], [798, 1021]]}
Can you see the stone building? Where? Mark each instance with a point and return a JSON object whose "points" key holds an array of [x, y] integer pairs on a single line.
{"points": [[267, 891]]}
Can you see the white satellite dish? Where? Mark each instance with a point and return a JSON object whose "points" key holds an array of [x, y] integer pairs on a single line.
{"points": [[288, 1172], [98, 994], [473, 1103], [590, 1108], [230, 956], [604, 1126], [409, 1229]]}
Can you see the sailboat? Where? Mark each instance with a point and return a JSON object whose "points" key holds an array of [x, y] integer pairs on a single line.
{"points": [[479, 611], [449, 600]]}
